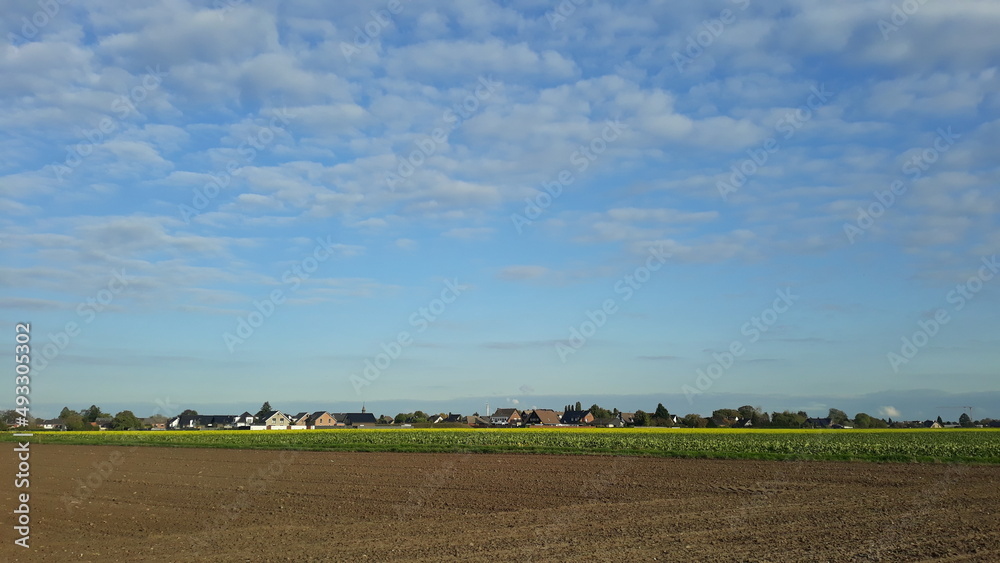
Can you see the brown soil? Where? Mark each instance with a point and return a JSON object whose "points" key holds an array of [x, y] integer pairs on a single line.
{"points": [[164, 504]]}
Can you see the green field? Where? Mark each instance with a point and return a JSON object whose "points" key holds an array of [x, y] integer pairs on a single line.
{"points": [[953, 445]]}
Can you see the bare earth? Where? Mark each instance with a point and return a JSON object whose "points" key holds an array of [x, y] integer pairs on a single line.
{"points": [[166, 504]]}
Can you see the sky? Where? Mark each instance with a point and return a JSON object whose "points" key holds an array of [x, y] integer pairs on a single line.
{"points": [[401, 204]]}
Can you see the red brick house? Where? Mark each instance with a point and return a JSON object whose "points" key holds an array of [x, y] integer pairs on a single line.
{"points": [[506, 417], [322, 419]]}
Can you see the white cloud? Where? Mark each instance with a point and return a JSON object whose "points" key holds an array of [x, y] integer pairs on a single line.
{"points": [[890, 412]]}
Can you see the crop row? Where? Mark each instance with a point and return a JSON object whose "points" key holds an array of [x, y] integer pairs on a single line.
{"points": [[923, 445]]}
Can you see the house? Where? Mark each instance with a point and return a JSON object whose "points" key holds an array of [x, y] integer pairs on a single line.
{"points": [[476, 421], [322, 419], [726, 421], [300, 419], [216, 421], [212, 421], [545, 417], [742, 423], [819, 422], [931, 424], [244, 420], [153, 424], [52, 424], [506, 417], [273, 420], [612, 422], [627, 418], [359, 419], [434, 418], [454, 418], [386, 419], [182, 422], [577, 417], [103, 423]]}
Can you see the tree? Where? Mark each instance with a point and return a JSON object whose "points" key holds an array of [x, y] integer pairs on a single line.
{"points": [[266, 407], [192, 412], [878, 423], [401, 417], [837, 416], [579, 406], [126, 420], [73, 421], [599, 412], [641, 418], [65, 413], [862, 420], [965, 420], [746, 411], [93, 413], [694, 421], [661, 412], [788, 419], [720, 414], [939, 421], [9, 417]]}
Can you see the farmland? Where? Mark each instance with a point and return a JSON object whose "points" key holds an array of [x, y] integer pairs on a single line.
{"points": [[187, 504], [973, 445]]}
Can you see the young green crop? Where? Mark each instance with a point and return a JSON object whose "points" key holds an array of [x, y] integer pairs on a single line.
{"points": [[981, 446]]}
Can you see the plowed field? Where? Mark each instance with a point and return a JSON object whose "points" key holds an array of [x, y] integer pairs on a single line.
{"points": [[176, 504]]}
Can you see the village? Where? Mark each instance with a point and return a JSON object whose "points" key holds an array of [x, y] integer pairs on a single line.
{"points": [[268, 418]]}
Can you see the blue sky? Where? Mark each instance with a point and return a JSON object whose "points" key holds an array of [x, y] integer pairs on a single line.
{"points": [[212, 204]]}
